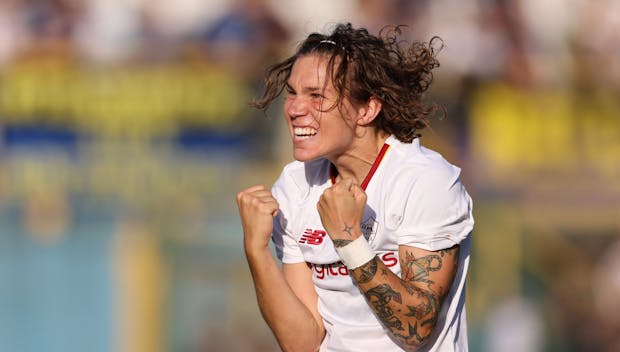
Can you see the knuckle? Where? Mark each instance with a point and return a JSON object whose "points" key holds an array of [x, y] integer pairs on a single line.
{"points": [[240, 196], [247, 200]]}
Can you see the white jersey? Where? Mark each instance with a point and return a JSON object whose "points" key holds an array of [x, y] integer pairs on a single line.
{"points": [[414, 198]]}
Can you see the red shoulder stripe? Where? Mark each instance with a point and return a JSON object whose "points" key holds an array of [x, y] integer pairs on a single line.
{"points": [[375, 165]]}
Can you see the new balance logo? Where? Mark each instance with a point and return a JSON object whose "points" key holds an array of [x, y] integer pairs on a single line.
{"points": [[312, 237]]}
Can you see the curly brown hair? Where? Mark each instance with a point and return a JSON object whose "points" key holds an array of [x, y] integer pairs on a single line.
{"points": [[362, 65]]}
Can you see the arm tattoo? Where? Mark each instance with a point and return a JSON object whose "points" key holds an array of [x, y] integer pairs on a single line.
{"points": [[409, 308], [424, 315], [341, 243], [380, 297], [348, 230], [366, 272], [418, 269], [385, 300], [430, 304]]}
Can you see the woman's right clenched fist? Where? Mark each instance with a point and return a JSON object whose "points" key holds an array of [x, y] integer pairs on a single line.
{"points": [[257, 207]]}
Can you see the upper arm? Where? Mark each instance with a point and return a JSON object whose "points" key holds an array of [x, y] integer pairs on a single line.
{"points": [[299, 278], [429, 271]]}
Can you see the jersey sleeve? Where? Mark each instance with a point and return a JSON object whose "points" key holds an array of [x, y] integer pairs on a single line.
{"points": [[286, 247], [433, 211]]}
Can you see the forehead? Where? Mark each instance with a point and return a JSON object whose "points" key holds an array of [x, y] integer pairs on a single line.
{"points": [[309, 71]]}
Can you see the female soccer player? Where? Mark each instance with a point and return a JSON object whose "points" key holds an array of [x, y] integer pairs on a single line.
{"points": [[372, 229]]}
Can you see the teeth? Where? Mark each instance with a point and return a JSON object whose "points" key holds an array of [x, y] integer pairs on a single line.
{"points": [[306, 131]]}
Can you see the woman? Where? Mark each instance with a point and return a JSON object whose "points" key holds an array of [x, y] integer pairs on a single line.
{"points": [[372, 229]]}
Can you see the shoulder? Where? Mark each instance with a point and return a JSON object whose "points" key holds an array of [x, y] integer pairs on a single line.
{"points": [[426, 204], [414, 165]]}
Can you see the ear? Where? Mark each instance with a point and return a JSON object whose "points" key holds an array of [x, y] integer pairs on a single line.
{"points": [[368, 111]]}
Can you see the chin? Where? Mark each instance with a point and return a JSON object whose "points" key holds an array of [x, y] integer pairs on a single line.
{"points": [[304, 157]]}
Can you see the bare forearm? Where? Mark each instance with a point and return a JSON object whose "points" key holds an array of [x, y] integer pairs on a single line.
{"points": [[407, 311], [291, 322]]}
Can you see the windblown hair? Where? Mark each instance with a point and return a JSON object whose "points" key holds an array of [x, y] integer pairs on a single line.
{"points": [[362, 66]]}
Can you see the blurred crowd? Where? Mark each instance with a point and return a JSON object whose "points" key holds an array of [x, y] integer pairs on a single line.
{"points": [[523, 41], [532, 91], [539, 57]]}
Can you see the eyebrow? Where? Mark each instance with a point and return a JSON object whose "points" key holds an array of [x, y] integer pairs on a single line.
{"points": [[306, 89]]}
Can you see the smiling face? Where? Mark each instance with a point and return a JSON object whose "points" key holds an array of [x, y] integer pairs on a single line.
{"points": [[317, 126]]}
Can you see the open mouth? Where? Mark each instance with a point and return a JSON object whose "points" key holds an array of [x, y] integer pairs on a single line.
{"points": [[302, 132]]}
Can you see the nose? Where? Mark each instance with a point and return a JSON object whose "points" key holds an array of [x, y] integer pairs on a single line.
{"points": [[295, 106]]}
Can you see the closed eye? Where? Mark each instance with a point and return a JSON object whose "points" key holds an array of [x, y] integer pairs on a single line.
{"points": [[290, 90]]}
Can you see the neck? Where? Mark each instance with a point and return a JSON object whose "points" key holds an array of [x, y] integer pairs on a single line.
{"points": [[356, 162]]}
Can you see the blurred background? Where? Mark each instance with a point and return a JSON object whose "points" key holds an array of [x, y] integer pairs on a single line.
{"points": [[125, 134]]}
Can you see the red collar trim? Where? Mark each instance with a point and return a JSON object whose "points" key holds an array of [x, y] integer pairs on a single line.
{"points": [[333, 172]]}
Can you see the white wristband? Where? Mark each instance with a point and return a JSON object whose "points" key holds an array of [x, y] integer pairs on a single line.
{"points": [[356, 253]]}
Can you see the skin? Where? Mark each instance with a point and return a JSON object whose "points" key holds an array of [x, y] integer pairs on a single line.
{"points": [[407, 306], [286, 298]]}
